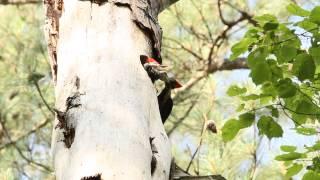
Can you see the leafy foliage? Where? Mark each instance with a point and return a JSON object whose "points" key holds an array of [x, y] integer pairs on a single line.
{"points": [[289, 79]]}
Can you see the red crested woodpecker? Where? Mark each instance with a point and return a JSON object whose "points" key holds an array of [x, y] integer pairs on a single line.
{"points": [[156, 71]]}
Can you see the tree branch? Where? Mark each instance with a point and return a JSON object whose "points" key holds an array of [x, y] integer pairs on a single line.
{"points": [[179, 174], [42, 98], [227, 65], [33, 130]]}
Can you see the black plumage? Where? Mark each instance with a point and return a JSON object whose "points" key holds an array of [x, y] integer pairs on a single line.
{"points": [[165, 104]]}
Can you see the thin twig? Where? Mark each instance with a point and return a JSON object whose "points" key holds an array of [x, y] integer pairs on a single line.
{"points": [[42, 98], [198, 147]]}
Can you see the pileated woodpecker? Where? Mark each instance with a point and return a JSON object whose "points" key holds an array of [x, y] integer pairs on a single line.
{"points": [[156, 71]]}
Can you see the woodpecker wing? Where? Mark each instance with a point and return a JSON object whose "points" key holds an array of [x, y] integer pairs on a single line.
{"points": [[166, 109]]}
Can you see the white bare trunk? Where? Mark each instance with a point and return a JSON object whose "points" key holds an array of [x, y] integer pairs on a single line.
{"points": [[107, 103]]}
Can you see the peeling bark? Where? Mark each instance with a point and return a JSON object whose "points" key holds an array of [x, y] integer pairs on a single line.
{"points": [[65, 118], [53, 9]]}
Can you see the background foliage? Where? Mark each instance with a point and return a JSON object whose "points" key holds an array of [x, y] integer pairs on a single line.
{"points": [[197, 45], [26, 126], [284, 59]]}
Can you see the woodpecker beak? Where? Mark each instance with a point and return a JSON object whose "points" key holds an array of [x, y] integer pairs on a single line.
{"points": [[177, 84]]}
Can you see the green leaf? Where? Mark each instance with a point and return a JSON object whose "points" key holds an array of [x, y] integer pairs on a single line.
{"points": [[269, 26], [275, 69], [307, 25], [265, 99], [241, 47], [306, 107], [275, 112], [299, 119], [315, 166], [256, 56], [287, 163], [289, 156], [266, 18], [304, 67], [246, 120], [261, 73], [287, 53], [269, 89], [250, 97], [232, 127], [315, 147], [269, 127], [297, 10], [286, 88], [315, 53], [230, 130], [240, 108], [235, 90], [306, 131], [288, 148], [252, 33], [303, 111], [311, 175], [294, 169], [315, 15]]}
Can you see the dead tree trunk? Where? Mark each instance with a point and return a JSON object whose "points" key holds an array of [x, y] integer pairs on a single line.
{"points": [[106, 106]]}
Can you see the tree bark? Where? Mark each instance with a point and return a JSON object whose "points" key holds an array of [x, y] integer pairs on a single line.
{"points": [[106, 105]]}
